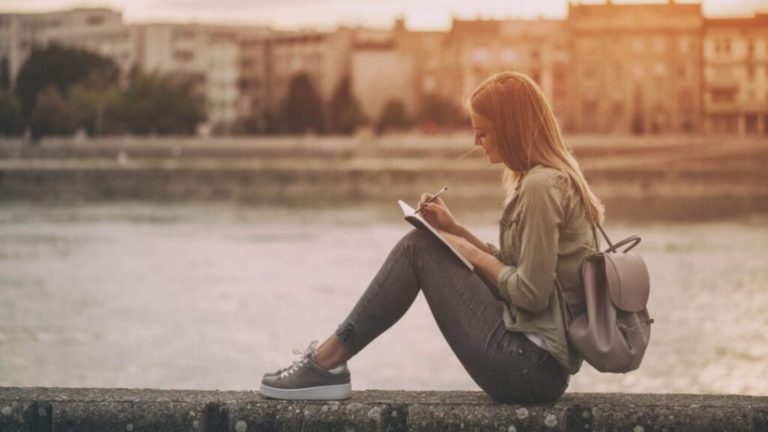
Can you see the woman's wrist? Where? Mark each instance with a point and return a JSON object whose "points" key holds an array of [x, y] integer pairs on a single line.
{"points": [[457, 229]]}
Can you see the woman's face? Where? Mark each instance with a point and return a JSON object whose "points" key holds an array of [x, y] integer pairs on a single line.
{"points": [[485, 137]]}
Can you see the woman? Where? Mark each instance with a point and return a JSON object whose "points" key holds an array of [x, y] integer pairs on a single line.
{"points": [[506, 327]]}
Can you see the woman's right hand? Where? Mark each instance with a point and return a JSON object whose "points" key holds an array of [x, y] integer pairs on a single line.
{"points": [[437, 214]]}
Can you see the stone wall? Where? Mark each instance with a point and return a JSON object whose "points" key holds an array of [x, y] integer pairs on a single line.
{"points": [[105, 409]]}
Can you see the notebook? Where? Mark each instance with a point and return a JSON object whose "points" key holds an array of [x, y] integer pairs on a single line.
{"points": [[419, 222]]}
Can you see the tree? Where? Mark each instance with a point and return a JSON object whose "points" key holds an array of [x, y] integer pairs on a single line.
{"points": [[440, 112], [52, 115], [91, 101], [60, 67], [158, 104], [345, 112], [302, 109], [393, 116], [5, 74], [10, 114]]}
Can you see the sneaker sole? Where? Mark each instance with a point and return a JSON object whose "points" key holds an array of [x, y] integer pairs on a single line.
{"points": [[330, 392]]}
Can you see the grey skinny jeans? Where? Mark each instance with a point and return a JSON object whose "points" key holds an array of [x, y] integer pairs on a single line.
{"points": [[505, 364]]}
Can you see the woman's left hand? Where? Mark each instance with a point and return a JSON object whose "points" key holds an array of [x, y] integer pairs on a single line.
{"points": [[467, 249]]}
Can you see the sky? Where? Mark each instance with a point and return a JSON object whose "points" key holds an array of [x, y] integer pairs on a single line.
{"points": [[326, 14]]}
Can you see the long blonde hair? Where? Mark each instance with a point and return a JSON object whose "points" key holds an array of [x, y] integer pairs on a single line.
{"points": [[527, 133]]}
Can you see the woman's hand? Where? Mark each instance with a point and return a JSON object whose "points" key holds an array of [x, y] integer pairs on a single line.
{"points": [[437, 214]]}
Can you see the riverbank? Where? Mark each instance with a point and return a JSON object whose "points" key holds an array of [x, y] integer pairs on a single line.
{"points": [[678, 176], [99, 409]]}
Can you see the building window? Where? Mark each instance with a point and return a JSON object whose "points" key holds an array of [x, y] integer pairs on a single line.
{"points": [[722, 72], [94, 20], [183, 55], [638, 45], [638, 71], [535, 55], [536, 76], [685, 45], [723, 46], [659, 69], [481, 56], [723, 95], [589, 106], [659, 44], [685, 101], [682, 71], [509, 56], [589, 72], [429, 83]]}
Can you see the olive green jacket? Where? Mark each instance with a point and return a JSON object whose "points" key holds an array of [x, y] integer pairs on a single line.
{"points": [[544, 233]]}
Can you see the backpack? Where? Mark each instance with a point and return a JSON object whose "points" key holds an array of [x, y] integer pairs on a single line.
{"points": [[614, 329]]}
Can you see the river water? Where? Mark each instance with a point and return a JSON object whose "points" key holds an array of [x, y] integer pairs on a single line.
{"points": [[212, 296]]}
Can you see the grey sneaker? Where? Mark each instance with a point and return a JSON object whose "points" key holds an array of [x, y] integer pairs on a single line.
{"points": [[311, 348], [305, 379]]}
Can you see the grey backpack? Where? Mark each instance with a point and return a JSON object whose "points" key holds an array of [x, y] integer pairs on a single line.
{"points": [[613, 331]]}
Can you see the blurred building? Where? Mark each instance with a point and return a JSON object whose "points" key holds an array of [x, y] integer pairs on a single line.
{"points": [[429, 55], [323, 56], [537, 48], [635, 68], [95, 29], [210, 55], [381, 72], [736, 75], [254, 86], [641, 68]]}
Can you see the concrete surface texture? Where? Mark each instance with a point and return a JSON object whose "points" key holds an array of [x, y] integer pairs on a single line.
{"points": [[105, 409]]}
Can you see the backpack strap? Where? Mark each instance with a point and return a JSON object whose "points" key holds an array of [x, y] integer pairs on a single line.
{"points": [[631, 240]]}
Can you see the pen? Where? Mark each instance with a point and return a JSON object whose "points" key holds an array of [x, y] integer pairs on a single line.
{"points": [[434, 197], [469, 152]]}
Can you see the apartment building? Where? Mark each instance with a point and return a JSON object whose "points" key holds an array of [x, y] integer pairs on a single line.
{"points": [[209, 55], [635, 68], [735, 87], [323, 56], [381, 72], [96, 29], [538, 48], [254, 85], [641, 68]]}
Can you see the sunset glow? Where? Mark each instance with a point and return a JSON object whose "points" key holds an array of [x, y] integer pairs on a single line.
{"points": [[425, 14]]}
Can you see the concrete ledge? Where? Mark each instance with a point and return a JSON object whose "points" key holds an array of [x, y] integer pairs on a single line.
{"points": [[105, 409]]}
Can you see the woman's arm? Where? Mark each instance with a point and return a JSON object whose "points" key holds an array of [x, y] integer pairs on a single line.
{"points": [[462, 231], [530, 283], [486, 263]]}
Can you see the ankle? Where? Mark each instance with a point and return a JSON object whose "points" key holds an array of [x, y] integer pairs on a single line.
{"points": [[324, 363]]}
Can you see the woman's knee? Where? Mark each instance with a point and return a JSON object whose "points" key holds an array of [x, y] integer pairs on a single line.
{"points": [[419, 238]]}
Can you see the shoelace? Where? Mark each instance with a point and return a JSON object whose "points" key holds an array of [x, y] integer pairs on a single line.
{"points": [[304, 357]]}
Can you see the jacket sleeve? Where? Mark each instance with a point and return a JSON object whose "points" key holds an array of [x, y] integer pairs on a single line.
{"points": [[529, 285], [495, 251]]}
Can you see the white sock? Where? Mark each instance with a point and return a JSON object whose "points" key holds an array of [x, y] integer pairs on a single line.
{"points": [[337, 370]]}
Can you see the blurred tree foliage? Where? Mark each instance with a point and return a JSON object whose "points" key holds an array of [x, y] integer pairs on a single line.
{"points": [[438, 111], [60, 67], [5, 74], [344, 110], [302, 110], [51, 114], [10, 114], [394, 116], [60, 90], [158, 104]]}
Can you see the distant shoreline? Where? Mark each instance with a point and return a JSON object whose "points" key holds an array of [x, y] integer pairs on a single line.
{"points": [[652, 176]]}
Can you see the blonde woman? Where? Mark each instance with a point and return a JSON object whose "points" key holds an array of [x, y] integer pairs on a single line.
{"points": [[506, 327]]}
